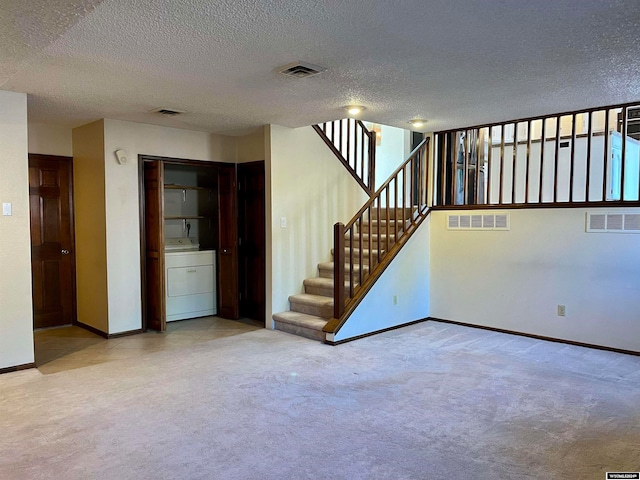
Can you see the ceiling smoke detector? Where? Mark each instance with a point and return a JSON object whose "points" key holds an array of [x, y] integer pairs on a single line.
{"points": [[169, 112], [300, 70]]}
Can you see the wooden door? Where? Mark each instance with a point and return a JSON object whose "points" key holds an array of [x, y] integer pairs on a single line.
{"points": [[52, 242], [251, 231], [155, 308], [228, 305]]}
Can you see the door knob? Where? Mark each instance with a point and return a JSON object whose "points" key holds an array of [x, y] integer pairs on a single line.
{"points": [[64, 251]]}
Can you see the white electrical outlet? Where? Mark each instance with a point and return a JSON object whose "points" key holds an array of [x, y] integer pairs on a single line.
{"points": [[562, 310], [395, 299]]}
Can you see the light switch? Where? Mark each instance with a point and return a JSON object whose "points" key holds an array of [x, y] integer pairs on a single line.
{"points": [[6, 209], [283, 222]]}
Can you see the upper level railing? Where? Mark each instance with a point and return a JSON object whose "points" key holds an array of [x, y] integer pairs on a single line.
{"points": [[355, 147], [365, 246], [586, 156]]}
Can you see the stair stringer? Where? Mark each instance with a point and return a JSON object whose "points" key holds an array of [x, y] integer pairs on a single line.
{"points": [[407, 276]]}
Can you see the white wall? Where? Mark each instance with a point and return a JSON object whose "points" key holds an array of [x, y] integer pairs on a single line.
{"points": [[394, 149], [250, 148], [312, 190], [122, 203], [50, 140], [514, 280], [16, 319], [407, 278]]}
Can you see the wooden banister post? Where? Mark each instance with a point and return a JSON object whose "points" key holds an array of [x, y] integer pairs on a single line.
{"points": [[338, 270], [372, 161]]}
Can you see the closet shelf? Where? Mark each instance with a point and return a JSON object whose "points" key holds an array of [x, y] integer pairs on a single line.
{"points": [[173, 186]]}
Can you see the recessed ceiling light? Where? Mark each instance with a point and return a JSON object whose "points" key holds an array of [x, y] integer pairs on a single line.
{"points": [[354, 109], [418, 123]]}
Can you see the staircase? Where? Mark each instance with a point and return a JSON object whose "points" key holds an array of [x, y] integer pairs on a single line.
{"points": [[310, 311]]}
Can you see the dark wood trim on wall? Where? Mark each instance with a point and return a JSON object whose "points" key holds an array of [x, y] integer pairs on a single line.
{"points": [[544, 117], [537, 337], [529, 206], [347, 340], [128, 333], [109, 335], [92, 329], [24, 366]]}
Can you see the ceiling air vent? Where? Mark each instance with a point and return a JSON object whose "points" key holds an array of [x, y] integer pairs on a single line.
{"points": [[169, 112], [300, 70]]}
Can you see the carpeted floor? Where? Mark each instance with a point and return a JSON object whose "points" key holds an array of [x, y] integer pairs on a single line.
{"points": [[430, 401]]}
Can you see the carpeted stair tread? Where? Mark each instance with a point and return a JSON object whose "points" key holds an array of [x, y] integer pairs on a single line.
{"points": [[301, 324], [325, 269], [365, 237], [301, 319], [322, 286], [311, 304]]}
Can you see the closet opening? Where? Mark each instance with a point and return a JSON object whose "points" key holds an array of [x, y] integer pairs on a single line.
{"points": [[189, 240]]}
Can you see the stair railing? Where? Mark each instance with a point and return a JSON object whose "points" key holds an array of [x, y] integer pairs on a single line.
{"points": [[355, 147], [404, 200]]}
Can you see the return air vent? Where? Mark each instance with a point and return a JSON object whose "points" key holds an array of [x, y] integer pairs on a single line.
{"points": [[498, 221], [300, 70], [613, 222]]}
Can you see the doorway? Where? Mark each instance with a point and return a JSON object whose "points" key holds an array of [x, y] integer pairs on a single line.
{"points": [[251, 232], [52, 240], [197, 200]]}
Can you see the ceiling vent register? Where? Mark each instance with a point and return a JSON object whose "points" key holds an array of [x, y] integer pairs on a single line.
{"points": [[168, 112], [613, 222], [300, 70], [478, 222]]}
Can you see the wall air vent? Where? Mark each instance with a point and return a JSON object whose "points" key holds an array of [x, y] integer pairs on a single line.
{"points": [[498, 221], [300, 70], [613, 222], [169, 112]]}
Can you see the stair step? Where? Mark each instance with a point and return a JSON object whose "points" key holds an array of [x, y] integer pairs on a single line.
{"points": [[365, 255], [310, 304], [309, 326], [322, 286], [393, 212], [382, 238], [325, 270], [374, 225]]}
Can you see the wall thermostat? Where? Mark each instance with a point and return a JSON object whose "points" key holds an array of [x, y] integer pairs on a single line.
{"points": [[121, 155]]}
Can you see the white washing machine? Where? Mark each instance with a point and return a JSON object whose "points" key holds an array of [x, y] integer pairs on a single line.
{"points": [[190, 280]]}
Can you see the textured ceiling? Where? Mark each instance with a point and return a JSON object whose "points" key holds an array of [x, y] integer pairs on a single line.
{"points": [[453, 62]]}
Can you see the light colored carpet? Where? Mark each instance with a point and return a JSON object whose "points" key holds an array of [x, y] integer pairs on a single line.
{"points": [[430, 401]]}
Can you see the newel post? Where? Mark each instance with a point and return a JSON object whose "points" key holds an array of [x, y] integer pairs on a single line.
{"points": [[338, 270], [372, 160]]}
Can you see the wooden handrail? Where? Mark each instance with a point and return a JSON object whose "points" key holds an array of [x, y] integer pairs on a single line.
{"points": [[349, 146], [561, 159], [410, 195]]}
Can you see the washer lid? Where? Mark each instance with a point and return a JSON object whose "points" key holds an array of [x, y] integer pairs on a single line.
{"points": [[181, 244]]}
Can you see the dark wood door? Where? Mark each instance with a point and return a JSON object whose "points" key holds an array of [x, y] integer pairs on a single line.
{"points": [[228, 295], [251, 231], [52, 245], [154, 305]]}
